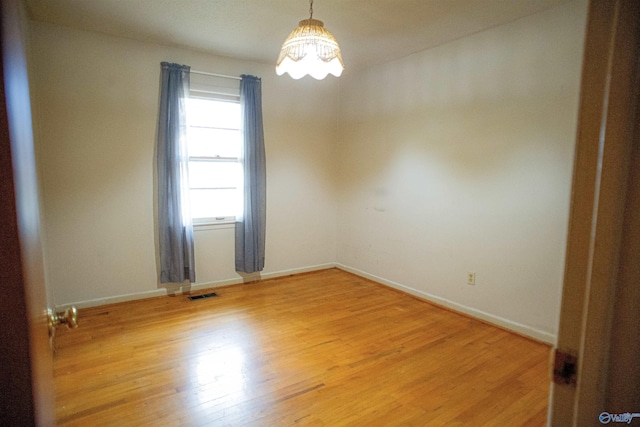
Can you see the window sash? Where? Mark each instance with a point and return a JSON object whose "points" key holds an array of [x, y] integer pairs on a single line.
{"points": [[201, 208], [215, 171], [222, 175], [213, 142]]}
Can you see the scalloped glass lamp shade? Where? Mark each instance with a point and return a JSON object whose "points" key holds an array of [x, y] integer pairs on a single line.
{"points": [[310, 49]]}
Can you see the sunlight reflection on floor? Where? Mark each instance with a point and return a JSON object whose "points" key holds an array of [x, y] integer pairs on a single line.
{"points": [[221, 373]]}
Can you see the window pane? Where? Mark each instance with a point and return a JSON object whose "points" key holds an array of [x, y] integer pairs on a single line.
{"points": [[214, 203], [207, 142], [220, 114], [216, 186], [214, 174]]}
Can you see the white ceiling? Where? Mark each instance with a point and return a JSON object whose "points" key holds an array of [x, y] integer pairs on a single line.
{"points": [[369, 31]]}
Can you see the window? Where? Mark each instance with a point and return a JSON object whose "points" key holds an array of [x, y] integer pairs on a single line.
{"points": [[215, 171]]}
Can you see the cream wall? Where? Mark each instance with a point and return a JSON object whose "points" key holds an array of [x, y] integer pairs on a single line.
{"points": [[458, 159], [96, 104]]}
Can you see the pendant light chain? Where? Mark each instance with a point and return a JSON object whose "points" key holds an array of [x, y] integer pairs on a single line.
{"points": [[311, 9]]}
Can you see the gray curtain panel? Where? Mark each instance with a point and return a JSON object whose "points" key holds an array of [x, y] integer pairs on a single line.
{"points": [[175, 228], [250, 226]]}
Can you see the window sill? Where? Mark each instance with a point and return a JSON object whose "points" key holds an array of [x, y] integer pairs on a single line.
{"points": [[214, 225]]}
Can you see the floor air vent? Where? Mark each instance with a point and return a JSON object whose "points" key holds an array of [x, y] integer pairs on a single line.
{"points": [[203, 296]]}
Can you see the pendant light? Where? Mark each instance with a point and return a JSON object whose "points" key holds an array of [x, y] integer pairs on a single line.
{"points": [[310, 49]]}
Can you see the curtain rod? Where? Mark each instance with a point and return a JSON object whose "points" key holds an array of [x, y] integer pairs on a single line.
{"points": [[204, 73]]}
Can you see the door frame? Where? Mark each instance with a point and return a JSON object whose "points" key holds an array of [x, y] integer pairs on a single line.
{"points": [[600, 277]]}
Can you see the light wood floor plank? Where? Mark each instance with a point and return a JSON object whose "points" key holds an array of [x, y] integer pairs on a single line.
{"points": [[325, 348]]}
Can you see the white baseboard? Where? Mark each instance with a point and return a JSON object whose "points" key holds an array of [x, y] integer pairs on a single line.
{"points": [[300, 270], [478, 314], [490, 318], [195, 287]]}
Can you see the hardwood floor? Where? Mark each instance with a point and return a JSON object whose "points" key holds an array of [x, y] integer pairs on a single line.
{"points": [[324, 348]]}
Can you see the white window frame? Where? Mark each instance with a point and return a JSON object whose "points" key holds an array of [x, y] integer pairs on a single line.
{"points": [[214, 222]]}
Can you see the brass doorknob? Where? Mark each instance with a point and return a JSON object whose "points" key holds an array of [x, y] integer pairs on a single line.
{"points": [[69, 317]]}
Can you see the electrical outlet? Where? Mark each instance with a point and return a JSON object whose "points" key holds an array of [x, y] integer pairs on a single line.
{"points": [[471, 278]]}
